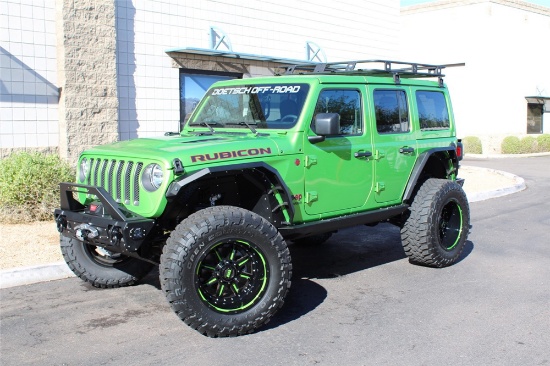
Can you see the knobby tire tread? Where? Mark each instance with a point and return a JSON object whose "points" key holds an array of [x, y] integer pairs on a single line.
{"points": [[417, 236], [91, 273], [179, 247]]}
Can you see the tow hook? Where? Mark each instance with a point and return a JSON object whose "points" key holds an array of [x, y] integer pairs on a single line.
{"points": [[85, 231], [61, 223], [115, 235]]}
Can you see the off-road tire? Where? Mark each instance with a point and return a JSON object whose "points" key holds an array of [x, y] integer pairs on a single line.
{"points": [[313, 239], [102, 271], [436, 230], [225, 271]]}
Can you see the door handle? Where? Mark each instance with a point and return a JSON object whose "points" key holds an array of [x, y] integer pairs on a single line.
{"points": [[363, 154], [406, 150]]}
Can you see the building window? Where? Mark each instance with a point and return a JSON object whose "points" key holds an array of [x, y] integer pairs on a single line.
{"points": [[534, 118], [392, 114], [194, 84]]}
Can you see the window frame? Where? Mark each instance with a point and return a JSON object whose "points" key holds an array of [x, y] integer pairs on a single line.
{"points": [[404, 91], [360, 108], [447, 107]]}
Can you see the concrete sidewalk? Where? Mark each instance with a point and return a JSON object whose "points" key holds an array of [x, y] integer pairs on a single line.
{"points": [[480, 184], [483, 183]]}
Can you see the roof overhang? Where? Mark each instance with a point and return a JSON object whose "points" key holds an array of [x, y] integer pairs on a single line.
{"points": [[545, 101], [236, 55], [537, 99]]}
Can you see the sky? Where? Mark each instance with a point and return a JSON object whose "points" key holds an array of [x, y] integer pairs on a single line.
{"points": [[413, 2]]}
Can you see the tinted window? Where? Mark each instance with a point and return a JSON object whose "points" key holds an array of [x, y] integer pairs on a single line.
{"points": [[392, 113], [347, 103], [432, 110], [534, 118]]}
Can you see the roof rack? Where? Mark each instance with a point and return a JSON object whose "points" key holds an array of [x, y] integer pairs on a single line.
{"points": [[397, 69]]}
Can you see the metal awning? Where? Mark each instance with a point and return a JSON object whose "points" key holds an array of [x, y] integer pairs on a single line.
{"points": [[236, 55], [537, 99], [545, 101]]}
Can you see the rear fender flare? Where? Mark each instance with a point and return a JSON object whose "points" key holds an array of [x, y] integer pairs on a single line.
{"points": [[420, 164]]}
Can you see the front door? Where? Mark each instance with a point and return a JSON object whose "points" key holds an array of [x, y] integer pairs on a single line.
{"points": [[338, 171]]}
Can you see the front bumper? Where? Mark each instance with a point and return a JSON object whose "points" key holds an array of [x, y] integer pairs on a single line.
{"points": [[107, 225]]}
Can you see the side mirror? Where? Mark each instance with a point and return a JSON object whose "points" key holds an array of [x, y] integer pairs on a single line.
{"points": [[325, 124]]}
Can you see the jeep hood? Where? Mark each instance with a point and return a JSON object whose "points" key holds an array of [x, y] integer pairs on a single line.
{"points": [[195, 150]]}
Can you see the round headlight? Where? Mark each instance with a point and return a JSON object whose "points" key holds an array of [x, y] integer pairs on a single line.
{"points": [[84, 170], [152, 177]]}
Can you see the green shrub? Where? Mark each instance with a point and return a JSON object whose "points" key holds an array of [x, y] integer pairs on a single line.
{"points": [[29, 186], [511, 145], [472, 145], [528, 145], [544, 143]]}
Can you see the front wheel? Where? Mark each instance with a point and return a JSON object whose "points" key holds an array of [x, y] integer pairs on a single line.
{"points": [[225, 271], [436, 230], [101, 267]]}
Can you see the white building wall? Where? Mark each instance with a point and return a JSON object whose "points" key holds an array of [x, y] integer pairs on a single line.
{"points": [[147, 81], [148, 85], [28, 74], [503, 44]]}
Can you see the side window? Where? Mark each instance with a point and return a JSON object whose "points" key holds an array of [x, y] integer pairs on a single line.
{"points": [[392, 113], [345, 102], [432, 110]]}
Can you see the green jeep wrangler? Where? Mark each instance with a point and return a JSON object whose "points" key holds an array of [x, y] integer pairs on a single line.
{"points": [[259, 163]]}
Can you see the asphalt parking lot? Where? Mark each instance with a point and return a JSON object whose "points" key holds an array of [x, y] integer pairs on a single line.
{"points": [[354, 301]]}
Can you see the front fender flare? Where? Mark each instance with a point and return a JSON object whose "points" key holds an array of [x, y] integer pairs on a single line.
{"points": [[273, 175]]}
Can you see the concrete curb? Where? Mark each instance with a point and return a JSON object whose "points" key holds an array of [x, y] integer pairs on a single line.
{"points": [[519, 185], [503, 156], [34, 274]]}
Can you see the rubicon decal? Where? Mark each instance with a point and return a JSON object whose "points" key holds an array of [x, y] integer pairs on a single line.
{"points": [[231, 154]]}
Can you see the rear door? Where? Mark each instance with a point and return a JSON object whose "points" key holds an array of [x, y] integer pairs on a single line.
{"points": [[395, 149]]}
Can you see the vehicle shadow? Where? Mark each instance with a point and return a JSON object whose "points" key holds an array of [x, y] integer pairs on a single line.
{"points": [[152, 278], [468, 249], [348, 251]]}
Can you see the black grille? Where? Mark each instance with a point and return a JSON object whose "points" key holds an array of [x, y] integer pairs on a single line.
{"points": [[119, 177]]}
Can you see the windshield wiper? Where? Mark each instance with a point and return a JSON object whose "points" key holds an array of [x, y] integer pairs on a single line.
{"points": [[206, 124], [249, 125]]}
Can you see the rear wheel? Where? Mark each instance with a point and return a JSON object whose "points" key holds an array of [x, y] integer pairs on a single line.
{"points": [[225, 271], [101, 267], [436, 230]]}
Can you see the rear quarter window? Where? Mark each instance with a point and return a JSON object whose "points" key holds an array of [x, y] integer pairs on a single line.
{"points": [[433, 113]]}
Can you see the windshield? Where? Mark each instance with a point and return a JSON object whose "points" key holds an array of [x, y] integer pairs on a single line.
{"points": [[260, 106]]}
